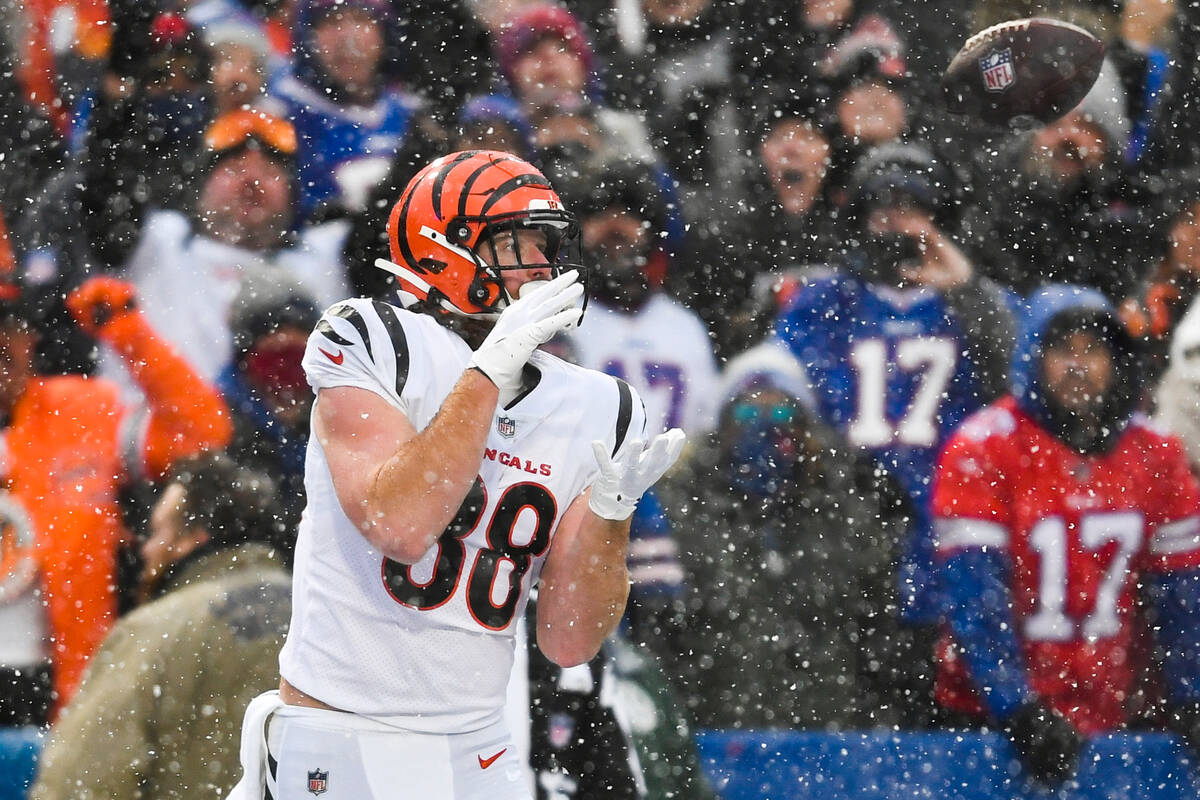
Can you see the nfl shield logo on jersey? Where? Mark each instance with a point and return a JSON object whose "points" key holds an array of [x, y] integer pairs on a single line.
{"points": [[998, 73], [318, 781], [507, 427], [561, 728]]}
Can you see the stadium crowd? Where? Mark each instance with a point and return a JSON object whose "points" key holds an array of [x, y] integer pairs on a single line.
{"points": [[796, 256]]}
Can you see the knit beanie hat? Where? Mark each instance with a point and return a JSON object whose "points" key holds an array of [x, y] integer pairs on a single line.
{"points": [[1105, 106], [535, 24], [267, 300]]}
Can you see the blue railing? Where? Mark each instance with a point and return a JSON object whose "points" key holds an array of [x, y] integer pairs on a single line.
{"points": [[853, 766], [939, 766], [19, 748]]}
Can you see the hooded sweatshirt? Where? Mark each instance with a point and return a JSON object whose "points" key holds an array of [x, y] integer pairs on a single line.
{"points": [[1044, 528]]}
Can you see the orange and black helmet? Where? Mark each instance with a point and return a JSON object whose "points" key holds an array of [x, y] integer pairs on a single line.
{"points": [[454, 208]]}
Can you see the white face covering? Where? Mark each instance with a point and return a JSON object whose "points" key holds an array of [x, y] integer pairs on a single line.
{"points": [[529, 287]]}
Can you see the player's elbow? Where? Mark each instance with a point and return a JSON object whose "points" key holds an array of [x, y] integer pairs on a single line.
{"points": [[573, 641], [568, 653], [404, 553], [406, 545]]}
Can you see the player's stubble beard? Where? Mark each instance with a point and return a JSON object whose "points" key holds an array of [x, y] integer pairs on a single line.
{"points": [[471, 330]]}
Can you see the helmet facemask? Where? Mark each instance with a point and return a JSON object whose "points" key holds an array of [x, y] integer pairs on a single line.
{"points": [[475, 238], [562, 251]]}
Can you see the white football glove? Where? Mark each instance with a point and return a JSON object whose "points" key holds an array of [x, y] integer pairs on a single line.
{"points": [[616, 492], [522, 326]]}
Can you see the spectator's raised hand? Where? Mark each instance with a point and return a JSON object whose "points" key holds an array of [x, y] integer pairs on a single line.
{"points": [[943, 265], [100, 300]]}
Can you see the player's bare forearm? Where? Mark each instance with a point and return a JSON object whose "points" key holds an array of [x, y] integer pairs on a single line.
{"points": [[584, 587], [401, 487], [417, 491]]}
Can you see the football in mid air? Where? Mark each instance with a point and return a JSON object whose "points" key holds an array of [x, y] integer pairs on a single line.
{"points": [[1022, 73]]}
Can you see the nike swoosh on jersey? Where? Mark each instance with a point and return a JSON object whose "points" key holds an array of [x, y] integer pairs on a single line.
{"points": [[484, 763], [338, 359]]}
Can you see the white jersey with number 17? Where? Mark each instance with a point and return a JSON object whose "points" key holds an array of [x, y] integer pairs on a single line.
{"points": [[429, 647]]}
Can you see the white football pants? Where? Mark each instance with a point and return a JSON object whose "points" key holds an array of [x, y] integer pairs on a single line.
{"points": [[333, 755]]}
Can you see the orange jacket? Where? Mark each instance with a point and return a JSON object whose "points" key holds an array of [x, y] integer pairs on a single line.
{"points": [[66, 464], [91, 37]]}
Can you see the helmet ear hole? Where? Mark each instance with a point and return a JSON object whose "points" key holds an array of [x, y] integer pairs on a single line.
{"points": [[478, 292], [458, 232]]}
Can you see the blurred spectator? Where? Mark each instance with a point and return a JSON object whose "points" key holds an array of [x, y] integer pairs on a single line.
{"points": [[349, 122], [610, 728], [1060, 208], [1147, 24], [549, 65], [140, 149], [264, 385], [1138, 68], [676, 58], [188, 269], [869, 107], [240, 68], [1054, 507], [442, 49], [785, 42], [901, 342], [545, 57], [1170, 286], [787, 221], [144, 136], [267, 22], [869, 102], [633, 330], [1177, 397], [32, 152], [159, 713], [60, 48], [789, 553], [1170, 146], [636, 332], [70, 445]]}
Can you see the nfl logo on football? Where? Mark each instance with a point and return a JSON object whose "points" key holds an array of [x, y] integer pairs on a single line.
{"points": [[507, 427], [998, 73], [318, 782]]}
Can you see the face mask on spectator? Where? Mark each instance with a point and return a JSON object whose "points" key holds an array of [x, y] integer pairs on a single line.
{"points": [[274, 369], [764, 450]]}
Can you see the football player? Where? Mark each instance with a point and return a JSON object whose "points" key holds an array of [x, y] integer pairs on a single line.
{"points": [[451, 466], [1052, 506], [901, 343]]}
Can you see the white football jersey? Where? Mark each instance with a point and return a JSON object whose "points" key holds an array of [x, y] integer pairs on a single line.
{"points": [[663, 351], [429, 647]]}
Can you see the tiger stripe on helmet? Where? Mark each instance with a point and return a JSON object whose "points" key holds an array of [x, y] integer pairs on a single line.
{"points": [[511, 185], [440, 181], [465, 194]]}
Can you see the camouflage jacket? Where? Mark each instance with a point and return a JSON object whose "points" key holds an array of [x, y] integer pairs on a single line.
{"points": [[159, 713]]}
